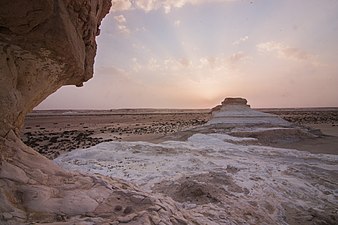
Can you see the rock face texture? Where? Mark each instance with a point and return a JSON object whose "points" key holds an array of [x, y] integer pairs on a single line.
{"points": [[35, 190], [236, 112], [222, 179], [44, 44]]}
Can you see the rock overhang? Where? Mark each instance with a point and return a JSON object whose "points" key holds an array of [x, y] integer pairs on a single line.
{"points": [[44, 44]]}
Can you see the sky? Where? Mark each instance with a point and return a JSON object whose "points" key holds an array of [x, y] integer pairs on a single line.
{"points": [[194, 53]]}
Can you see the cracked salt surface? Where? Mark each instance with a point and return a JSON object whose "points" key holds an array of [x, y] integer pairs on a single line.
{"points": [[299, 179]]}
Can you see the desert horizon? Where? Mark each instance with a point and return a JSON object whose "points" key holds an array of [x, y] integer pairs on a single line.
{"points": [[202, 158], [190, 112], [153, 110], [167, 108], [98, 123], [193, 54]]}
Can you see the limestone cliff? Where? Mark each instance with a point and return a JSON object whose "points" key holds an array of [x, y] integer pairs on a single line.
{"points": [[44, 44]]}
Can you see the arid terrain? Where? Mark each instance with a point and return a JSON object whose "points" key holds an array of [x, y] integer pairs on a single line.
{"points": [[232, 166], [53, 132], [205, 160]]}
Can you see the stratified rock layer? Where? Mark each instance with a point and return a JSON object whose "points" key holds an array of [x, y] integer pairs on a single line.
{"points": [[236, 112]]}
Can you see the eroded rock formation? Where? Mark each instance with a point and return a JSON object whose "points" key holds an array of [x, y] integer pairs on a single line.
{"points": [[236, 112], [45, 44]]}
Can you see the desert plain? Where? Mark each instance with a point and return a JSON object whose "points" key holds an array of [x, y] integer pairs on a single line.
{"points": [[52, 132], [233, 165]]}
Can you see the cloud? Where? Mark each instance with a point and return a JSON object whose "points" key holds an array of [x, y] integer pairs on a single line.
{"points": [[153, 64], [284, 51], [201, 76], [237, 57], [241, 40], [123, 29], [169, 4], [111, 71], [203, 64], [173, 65], [120, 19], [140, 29], [149, 5], [177, 23], [185, 62], [271, 46], [120, 5]]}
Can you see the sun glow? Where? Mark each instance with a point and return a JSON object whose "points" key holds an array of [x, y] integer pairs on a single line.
{"points": [[199, 52]]}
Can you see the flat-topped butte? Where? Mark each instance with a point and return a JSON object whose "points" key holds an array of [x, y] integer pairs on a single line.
{"points": [[236, 112]]}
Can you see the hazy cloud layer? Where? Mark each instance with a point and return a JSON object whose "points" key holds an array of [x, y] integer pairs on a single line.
{"points": [[120, 5], [284, 51], [121, 24], [204, 50], [149, 5], [241, 40], [191, 66], [120, 19]]}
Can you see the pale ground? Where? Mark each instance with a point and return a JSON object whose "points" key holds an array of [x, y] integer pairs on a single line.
{"points": [[326, 120], [223, 177], [54, 132], [230, 176]]}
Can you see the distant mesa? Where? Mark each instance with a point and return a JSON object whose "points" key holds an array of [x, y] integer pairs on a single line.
{"points": [[236, 112], [230, 101], [235, 101]]}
